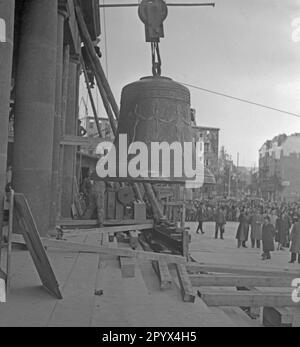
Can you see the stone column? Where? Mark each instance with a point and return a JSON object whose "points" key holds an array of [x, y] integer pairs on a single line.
{"points": [[35, 108], [7, 10], [62, 15], [69, 166]]}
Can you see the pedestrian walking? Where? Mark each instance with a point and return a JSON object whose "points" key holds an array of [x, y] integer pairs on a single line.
{"points": [[268, 234], [295, 239], [220, 223], [200, 218]]}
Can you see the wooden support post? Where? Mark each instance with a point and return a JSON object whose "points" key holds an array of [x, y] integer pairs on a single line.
{"points": [[90, 96], [65, 90], [95, 60], [154, 202], [111, 205], [57, 130], [93, 223], [185, 283], [9, 241]]}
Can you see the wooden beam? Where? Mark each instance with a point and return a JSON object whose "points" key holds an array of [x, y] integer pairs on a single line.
{"points": [[239, 281], [118, 252], [72, 140], [160, 268], [246, 299], [185, 283], [165, 277], [94, 222], [120, 229], [240, 270], [87, 82], [103, 86], [110, 230]]}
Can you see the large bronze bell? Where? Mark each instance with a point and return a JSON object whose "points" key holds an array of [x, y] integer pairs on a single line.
{"points": [[155, 110]]}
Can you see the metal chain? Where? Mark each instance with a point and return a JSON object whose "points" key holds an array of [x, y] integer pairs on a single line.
{"points": [[156, 59]]}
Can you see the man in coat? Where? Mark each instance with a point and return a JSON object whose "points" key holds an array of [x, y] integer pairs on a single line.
{"points": [[282, 230], [256, 223], [295, 238], [268, 234], [220, 222], [242, 234]]}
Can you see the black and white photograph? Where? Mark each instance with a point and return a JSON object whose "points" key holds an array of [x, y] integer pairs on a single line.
{"points": [[149, 166]]}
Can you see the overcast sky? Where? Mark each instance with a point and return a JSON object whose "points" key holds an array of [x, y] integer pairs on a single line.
{"points": [[244, 48]]}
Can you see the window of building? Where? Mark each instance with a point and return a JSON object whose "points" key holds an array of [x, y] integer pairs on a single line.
{"points": [[206, 147]]}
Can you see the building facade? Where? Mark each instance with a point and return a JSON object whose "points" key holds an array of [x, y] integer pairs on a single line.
{"points": [[279, 168], [210, 138]]}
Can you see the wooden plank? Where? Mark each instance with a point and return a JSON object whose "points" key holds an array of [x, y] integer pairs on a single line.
{"points": [[34, 244], [110, 230], [127, 267], [185, 283], [239, 281], [121, 229], [241, 270], [121, 252], [165, 277], [246, 299], [77, 307], [94, 222], [128, 222]]}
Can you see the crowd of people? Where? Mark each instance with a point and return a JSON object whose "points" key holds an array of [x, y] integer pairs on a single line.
{"points": [[264, 224]]}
